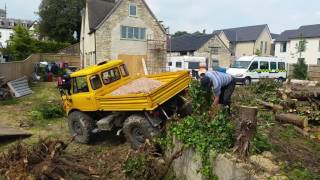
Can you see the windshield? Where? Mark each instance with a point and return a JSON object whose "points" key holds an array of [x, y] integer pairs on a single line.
{"points": [[241, 64]]}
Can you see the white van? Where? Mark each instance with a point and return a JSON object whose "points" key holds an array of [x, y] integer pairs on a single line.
{"points": [[190, 63], [249, 69]]}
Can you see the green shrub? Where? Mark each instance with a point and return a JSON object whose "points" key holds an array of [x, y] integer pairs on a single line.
{"points": [[300, 70], [50, 110], [136, 167], [260, 143], [201, 99]]}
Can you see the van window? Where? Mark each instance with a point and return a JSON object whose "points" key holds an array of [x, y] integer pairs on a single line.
{"points": [[273, 65], [111, 76], [254, 66], [281, 66], [241, 64], [264, 65], [178, 64], [193, 65]]}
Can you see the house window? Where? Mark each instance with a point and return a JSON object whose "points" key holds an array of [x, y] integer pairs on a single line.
{"points": [[169, 63], [265, 47], [319, 46], [133, 33], [318, 62], [133, 10], [264, 65], [283, 47], [179, 64], [183, 53], [261, 46]]}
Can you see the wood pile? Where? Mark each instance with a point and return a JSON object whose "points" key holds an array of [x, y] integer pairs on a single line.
{"points": [[141, 85]]}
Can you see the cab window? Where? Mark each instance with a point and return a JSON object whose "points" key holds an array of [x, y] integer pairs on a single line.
{"points": [[111, 76], [80, 85], [273, 65], [95, 82], [264, 65], [254, 66], [124, 71], [281, 66]]}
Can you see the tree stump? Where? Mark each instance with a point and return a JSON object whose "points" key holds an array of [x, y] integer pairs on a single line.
{"points": [[247, 129]]}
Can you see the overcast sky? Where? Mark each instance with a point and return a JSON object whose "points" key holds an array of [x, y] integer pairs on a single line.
{"points": [[193, 15]]}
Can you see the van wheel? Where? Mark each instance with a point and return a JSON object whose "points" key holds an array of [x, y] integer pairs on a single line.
{"points": [[281, 80], [81, 126], [247, 81], [137, 129]]}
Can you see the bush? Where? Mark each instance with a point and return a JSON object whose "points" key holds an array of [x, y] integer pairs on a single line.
{"points": [[300, 70], [48, 111]]}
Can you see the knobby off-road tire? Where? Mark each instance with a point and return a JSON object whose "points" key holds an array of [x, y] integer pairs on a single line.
{"points": [[81, 125], [137, 129]]}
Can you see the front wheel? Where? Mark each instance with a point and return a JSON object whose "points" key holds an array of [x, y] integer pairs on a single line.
{"points": [[137, 129], [81, 126]]}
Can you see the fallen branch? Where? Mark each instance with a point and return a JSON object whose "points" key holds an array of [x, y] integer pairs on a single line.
{"points": [[272, 106]]}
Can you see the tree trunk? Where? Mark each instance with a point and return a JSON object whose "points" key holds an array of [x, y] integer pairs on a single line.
{"points": [[293, 119], [247, 129]]}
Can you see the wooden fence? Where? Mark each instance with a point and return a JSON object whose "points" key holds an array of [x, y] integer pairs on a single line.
{"points": [[313, 72], [18, 69]]}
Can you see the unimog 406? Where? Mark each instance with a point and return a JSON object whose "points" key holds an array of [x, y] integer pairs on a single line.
{"points": [[91, 107]]}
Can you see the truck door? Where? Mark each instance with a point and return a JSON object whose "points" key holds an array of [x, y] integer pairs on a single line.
{"points": [[81, 97]]}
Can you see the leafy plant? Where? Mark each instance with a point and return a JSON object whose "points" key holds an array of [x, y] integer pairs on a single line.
{"points": [[260, 143], [201, 98], [48, 111], [136, 167]]}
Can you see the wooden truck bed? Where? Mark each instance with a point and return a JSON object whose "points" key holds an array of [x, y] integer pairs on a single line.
{"points": [[173, 84]]}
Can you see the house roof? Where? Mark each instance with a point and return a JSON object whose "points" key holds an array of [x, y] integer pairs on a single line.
{"points": [[97, 11], [274, 36], [243, 34], [10, 23], [308, 31], [188, 42]]}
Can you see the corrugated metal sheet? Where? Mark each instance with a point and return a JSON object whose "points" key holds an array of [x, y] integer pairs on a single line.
{"points": [[20, 87]]}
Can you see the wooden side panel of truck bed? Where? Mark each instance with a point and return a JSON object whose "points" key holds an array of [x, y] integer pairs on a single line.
{"points": [[174, 83]]}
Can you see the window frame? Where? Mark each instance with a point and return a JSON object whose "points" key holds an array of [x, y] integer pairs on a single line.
{"points": [[136, 8], [252, 65], [261, 46], [284, 65], [265, 47], [137, 34], [197, 65], [125, 69], [318, 61], [270, 65], [170, 63], [90, 79], [102, 77], [282, 45]]}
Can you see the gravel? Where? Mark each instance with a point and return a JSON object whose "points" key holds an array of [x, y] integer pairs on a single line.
{"points": [[141, 85]]}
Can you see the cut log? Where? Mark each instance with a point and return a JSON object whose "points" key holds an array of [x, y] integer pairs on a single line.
{"points": [[247, 129], [293, 119]]}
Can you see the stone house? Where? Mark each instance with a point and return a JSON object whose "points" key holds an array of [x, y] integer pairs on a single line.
{"points": [[248, 40], [287, 42], [209, 46], [122, 29]]}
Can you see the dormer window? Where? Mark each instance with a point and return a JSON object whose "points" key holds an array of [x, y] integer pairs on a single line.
{"points": [[133, 10]]}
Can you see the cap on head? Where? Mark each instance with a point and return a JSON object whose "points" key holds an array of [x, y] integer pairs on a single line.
{"points": [[206, 82]]}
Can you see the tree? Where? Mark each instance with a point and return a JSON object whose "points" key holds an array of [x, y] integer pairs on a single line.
{"points": [[59, 19], [258, 52], [22, 44], [180, 33], [300, 70]]}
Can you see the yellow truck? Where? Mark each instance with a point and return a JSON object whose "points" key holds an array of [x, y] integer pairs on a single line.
{"points": [[91, 107]]}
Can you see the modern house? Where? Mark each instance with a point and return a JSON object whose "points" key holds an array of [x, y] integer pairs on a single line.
{"points": [[209, 46], [7, 25], [246, 41], [122, 29], [288, 41]]}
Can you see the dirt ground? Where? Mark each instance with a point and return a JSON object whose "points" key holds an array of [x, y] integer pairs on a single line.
{"points": [[103, 157]]}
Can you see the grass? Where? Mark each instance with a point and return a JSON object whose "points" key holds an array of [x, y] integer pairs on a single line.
{"points": [[11, 101]]}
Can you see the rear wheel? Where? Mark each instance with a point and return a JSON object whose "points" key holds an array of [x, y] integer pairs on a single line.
{"points": [[137, 129], [81, 126]]}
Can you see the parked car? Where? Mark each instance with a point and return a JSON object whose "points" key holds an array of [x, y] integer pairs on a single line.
{"points": [[249, 69]]}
